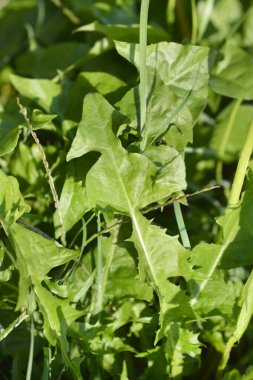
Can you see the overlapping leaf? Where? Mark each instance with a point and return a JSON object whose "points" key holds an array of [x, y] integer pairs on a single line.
{"points": [[12, 203], [35, 257], [232, 76], [177, 90], [125, 183]]}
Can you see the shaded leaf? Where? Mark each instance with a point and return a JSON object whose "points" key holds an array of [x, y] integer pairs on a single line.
{"points": [[55, 57], [12, 203], [236, 139], [129, 33], [232, 76], [9, 133]]}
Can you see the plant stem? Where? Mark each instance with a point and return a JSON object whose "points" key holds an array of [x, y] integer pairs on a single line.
{"points": [[241, 325], [13, 325], [178, 198], [143, 68], [30, 360], [181, 225], [241, 168], [171, 9], [233, 200], [225, 139], [23, 112], [225, 357], [99, 268], [194, 23]]}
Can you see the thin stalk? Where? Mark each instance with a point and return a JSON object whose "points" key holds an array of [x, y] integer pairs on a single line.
{"points": [[194, 23], [225, 139], [225, 357], [4, 333], [23, 112], [31, 351], [243, 321], [171, 10], [178, 198], [181, 225], [109, 258], [233, 200], [99, 268], [241, 168], [67, 12], [143, 67]]}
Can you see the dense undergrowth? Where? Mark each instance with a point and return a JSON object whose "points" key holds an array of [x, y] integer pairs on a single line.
{"points": [[126, 187]]}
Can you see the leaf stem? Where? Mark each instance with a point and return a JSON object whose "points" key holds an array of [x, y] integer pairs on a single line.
{"points": [[14, 324], [241, 325], [143, 68], [225, 139], [241, 168], [181, 225], [194, 23], [99, 268], [171, 10], [233, 200]]}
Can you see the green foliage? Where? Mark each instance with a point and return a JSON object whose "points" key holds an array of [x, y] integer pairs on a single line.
{"points": [[125, 298]]}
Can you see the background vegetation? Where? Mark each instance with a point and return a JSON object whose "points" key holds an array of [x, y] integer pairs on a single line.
{"points": [[108, 271]]}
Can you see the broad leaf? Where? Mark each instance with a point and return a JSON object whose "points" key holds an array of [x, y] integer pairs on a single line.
{"points": [[35, 257], [181, 344], [55, 313], [177, 90], [124, 183], [43, 92]]}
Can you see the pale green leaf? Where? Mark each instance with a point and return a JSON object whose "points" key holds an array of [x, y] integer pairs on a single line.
{"points": [[160, 256], [55, 313], [35, 257], [43, 92], [177, 90], [133, 174], [124, 183], [181, 343]]}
